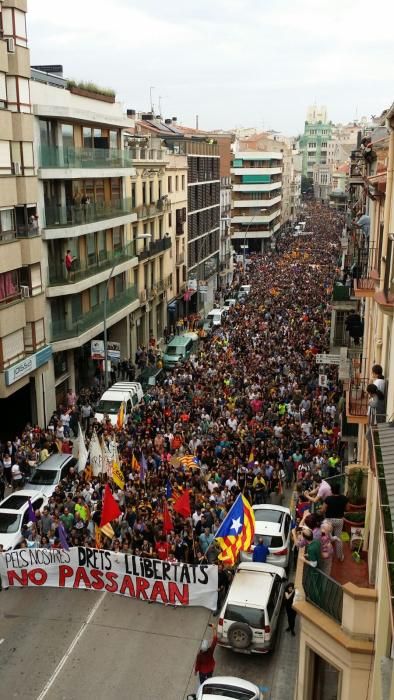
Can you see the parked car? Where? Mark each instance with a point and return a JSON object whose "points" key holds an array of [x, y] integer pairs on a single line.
{"points": [[129, 394], [50, 472], [229, 302], [273, 523], [248, 620], [14, 515], [217, 316], [227, 688]]}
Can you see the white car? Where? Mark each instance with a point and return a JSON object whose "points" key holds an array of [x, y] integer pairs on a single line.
{"points": [[227, 688], [14, 515], [229, 302], [248, 619], [273, 524], [50, 473]]}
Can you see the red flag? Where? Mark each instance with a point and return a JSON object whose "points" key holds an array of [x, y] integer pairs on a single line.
{"points": [[182, 505], [111, 508], [167, 520]]}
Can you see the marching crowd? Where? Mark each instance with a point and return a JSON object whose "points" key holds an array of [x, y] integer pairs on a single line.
{"points": [[245, 413]]}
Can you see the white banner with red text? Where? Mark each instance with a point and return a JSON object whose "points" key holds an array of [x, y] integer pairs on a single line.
{"points": [[99, 570]]}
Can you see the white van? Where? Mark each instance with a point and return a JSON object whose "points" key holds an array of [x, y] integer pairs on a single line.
{"points": [[249, 617], [245, 288], [217, 316], [128, 393]]}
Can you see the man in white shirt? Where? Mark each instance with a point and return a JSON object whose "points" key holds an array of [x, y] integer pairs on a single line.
{"points": [[230, 482]]}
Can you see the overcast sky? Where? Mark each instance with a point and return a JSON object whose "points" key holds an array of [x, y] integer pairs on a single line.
{"points": [[233, 62]]}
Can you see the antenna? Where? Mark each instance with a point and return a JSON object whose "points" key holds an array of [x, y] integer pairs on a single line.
{"points": [[152, 87]]}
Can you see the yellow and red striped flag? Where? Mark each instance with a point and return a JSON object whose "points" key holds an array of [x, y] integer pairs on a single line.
{"points": [[236, 532]]}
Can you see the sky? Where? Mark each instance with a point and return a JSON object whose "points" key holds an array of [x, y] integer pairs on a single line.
{"points": [[235, 63]]}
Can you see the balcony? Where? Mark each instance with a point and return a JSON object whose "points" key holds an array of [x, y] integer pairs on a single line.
{"points": [[340, 292], [63, 329], [357, 401], [147, 154], [159, 246], [57, 216], [89, 158], [148, 211], [357, 169], [150, 293], [93, 266], [20, 231], [385, 297], [180, 258], [382, 444], [366, 272]]}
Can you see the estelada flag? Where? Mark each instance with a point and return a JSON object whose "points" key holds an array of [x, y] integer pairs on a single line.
{"points": [[120, 419], [167, 520], [135, 465], [111, 509], [182, 504], [236, 531]]}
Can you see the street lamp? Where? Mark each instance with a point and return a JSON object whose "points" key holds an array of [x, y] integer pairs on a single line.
{"points": [[246, 232], [143, 236]]}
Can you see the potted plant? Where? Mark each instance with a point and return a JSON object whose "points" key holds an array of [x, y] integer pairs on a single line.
{"points": [[355, 491], [353, 519]]}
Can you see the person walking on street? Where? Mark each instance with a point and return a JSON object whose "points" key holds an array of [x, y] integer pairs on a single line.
{"points": [[290, 612], [205, 662]]}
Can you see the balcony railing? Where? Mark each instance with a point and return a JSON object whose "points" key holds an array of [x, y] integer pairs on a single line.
{"points": [[323, 591], [78, 214], [58, 157], [340, 292], [143, 153], [63, 329], [365, 271], [155, 247], [81, 269], [20, 231], [146, 211], [358, 400]]}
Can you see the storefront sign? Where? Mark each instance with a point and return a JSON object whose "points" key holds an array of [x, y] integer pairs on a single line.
{"points": [[101, 570], [29, 364], [97, 350]]}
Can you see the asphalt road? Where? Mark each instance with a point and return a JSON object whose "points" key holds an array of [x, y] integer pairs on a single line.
{"points": [[68, 644]]}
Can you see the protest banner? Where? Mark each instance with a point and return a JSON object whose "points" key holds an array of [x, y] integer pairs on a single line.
{"points": [[126, 574]]}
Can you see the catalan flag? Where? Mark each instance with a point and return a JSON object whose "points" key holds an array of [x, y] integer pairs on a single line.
{"points": [[135, 465], [236, 531], [189, 461]]}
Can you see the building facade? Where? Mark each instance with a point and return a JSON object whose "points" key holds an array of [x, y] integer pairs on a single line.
{"points": [[347, 634], [25, 350], [257, 176], [85, 215], [314, 142]]}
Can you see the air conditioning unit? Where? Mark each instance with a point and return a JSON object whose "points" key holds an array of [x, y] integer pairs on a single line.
{"points": [[16, 168], [143, 295], [10, 44], [25, 291]]}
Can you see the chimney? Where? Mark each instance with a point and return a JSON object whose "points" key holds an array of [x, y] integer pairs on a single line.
{"points": [[168, 121], [174, 120], [147, 116], [131, 113]]}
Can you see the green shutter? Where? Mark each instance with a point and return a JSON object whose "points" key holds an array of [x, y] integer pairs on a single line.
{"points": [[238, 163], [256, 179]]}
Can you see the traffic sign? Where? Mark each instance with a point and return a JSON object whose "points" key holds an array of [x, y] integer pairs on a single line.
{"points": [[327, 359]]}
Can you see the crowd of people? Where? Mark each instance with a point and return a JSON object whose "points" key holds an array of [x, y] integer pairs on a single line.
{"points": [[247, 407]]}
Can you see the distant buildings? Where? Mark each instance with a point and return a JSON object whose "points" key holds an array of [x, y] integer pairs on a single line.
{"points": [[313, 143]]}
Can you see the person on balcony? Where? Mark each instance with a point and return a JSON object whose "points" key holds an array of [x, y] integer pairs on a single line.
{"points": [[355, 327], [378, 378], [68, 261], [376, 404]]}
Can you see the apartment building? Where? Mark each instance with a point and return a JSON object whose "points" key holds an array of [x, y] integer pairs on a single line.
{"points": [[257, 176], [85, 216], [159, 197], [24, 347], [314, 142], [347, 630]]}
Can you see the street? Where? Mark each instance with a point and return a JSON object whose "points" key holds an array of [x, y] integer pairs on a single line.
{"points": [[101, 645]]}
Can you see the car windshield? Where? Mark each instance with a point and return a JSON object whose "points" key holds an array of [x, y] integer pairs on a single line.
{"points": [[270, 540], [44, 477], [174, 350], [14, 502], [267, 516], [227, 691], [110, 408], [9, 523], [251, 616]]}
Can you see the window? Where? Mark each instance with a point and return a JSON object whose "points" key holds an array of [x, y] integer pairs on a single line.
{"points": [[67, 136], [325, 683], [169, 220], [113, 139], [116, 238], [312, 145], [3, 91], [251, 616], [5, 158], [176, 183], [60, 363], [87, 137], [183, 182], [9, 286], [94, 297], [151, 191], [324, 144], [169, 183], [7, 224]]}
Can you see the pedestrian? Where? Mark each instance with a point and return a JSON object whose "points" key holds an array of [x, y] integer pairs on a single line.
{"points": [[334, 510], [205, 662], [260, 551], [290, 612]]}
